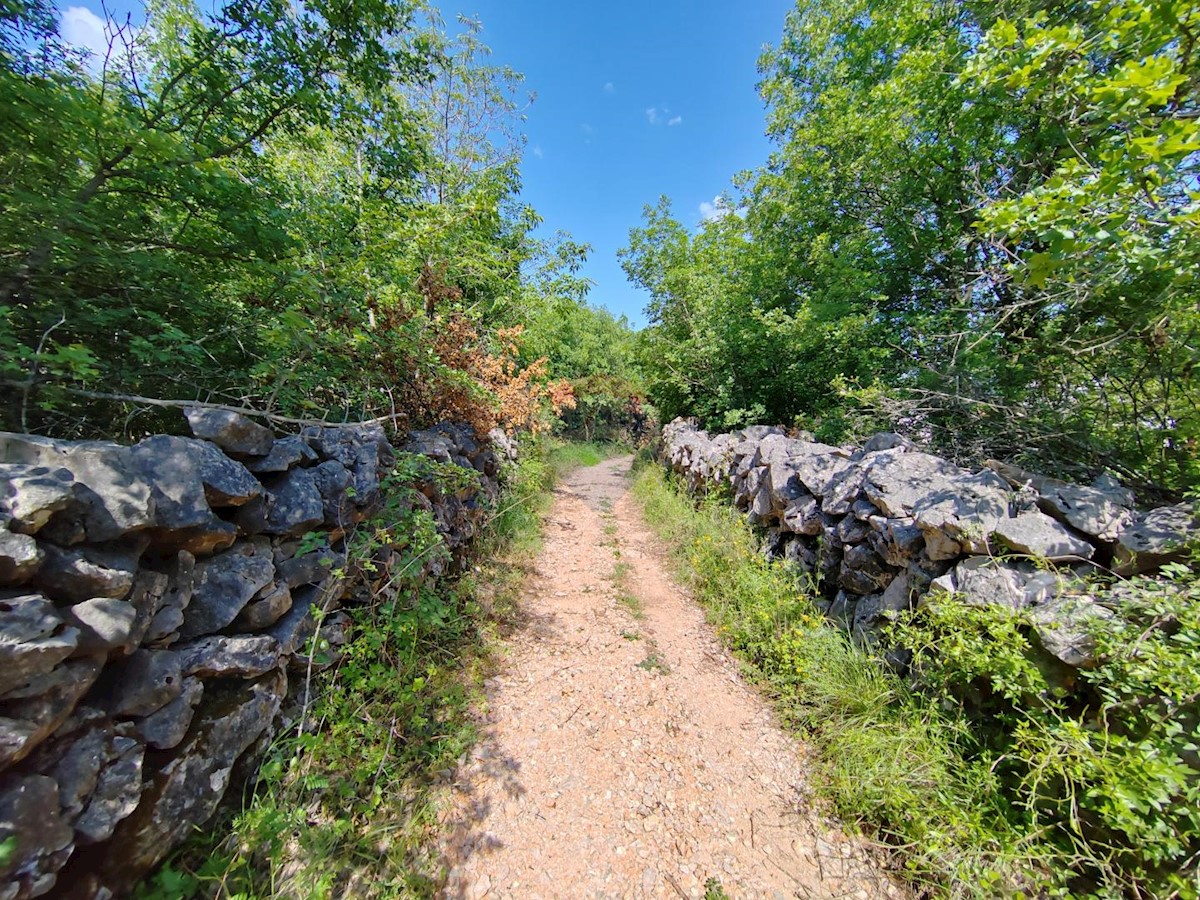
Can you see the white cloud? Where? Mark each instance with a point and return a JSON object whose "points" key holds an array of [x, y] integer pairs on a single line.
{"points": [[652, 115], [537, 151], [82, 28], [714, 210], [609, 87], [675, 120]]}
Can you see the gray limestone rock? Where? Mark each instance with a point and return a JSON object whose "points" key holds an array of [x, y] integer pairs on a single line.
{"points": [[1036, 534], [1064, 627], [146, 598], [308, 568], [144, 683], [224, 584], [188, 479], [103, 624], [888, 440], [981, 581], [897, 482], [43, 841], [30, 495], [964, 513], [818, 465], [243, 656], [266, 609], [1102, 514], [291, 506], [803, 516], [81, 573], [33, 639], [286, 453], [230, 431], [26, 723], [863, 572], [1155, 538], [20, 557], [185, 792], [166, 727], [118, 790], [110, 499]]}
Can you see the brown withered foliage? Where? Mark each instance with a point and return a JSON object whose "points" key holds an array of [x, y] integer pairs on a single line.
{"points": [[489, 387]]}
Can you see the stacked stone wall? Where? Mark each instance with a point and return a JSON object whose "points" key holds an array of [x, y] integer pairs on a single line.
{"points": [[886, 527], [153, 600]]}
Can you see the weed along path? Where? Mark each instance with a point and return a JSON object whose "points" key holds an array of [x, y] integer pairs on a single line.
{"points": [[621, 754]]}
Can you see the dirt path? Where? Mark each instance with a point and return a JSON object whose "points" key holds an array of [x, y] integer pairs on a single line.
{"points": [[622, 755]]}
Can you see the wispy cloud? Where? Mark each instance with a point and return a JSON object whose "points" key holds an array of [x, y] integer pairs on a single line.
{"points": [[662, 115], [609, 87], [82, 28], [714, 210], [588, 132], [537, 151]]}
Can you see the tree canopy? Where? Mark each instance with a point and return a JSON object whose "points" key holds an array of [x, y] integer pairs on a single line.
{"points": [[978, 226]]}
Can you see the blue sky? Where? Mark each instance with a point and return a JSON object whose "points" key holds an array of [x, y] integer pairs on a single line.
{"points": [[634, 100]]}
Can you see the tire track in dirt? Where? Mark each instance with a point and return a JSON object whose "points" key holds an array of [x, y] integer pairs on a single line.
{"points": [[621, 754]]}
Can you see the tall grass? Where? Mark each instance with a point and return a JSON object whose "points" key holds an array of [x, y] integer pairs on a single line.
{"points": [[885, 759]]}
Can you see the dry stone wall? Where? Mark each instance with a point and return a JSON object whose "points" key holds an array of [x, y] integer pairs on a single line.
{"points": [[886, 527], [153, 600]]}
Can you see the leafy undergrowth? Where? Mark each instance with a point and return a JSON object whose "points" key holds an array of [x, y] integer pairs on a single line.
{"points": [[347, 804], [1041, 795]]}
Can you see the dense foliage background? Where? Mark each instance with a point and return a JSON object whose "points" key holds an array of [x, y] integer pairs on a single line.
{"points": [[979, 226], [310, 210]]}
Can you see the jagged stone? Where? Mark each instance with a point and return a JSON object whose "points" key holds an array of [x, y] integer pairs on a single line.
{"points": [[309, 568], [966, 514], [852, 531], [897, 482], [30, 495], [185, 792], [146, 598], [166, 727], [1064, 626], [103, 624], [20, 557], [291, 506], [803, 516], [164, 627], [224, 584], [286, 453], [230, 431], [818, 465], [243, 656], [110, 499], [77, 574], [844, 490], [42, 841], [1158, 537], [265, 610], [981, 581], [863, 572], [144, 683], [33, 639], [887, 441], [1102, 511], [26, 723], [118, 790], [1036, 534]]}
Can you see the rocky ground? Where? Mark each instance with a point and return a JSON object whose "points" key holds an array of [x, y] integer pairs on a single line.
{"points": [[622, 754]]}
